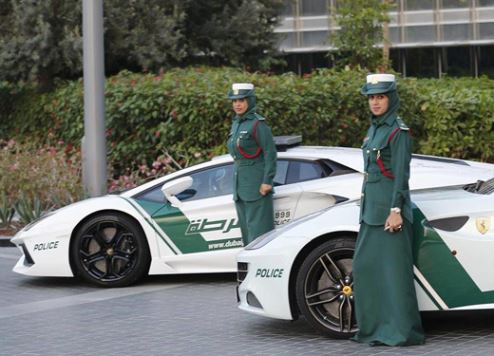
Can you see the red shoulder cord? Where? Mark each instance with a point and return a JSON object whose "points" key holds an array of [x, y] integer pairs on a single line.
{"points": [[259, 149], [380, 162]]}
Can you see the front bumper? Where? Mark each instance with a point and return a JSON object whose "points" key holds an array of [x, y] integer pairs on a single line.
{"points": [[42, 255], [263, 278]]}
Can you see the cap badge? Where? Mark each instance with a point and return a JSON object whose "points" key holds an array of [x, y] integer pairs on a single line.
{"points": [[374, 80], [483, 224], [235, 91]]}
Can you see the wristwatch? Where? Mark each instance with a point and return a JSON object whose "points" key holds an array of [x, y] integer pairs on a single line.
{"points": [[396, 210]]}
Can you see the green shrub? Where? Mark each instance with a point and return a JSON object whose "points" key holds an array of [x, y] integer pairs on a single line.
{"points": [[35, 180], [6, 211], [185, 112]]}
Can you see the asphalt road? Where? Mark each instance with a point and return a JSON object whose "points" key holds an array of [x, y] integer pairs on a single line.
{"points": [[184, 315]]}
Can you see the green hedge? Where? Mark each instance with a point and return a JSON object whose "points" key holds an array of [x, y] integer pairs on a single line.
{"points": [[186, 113]]}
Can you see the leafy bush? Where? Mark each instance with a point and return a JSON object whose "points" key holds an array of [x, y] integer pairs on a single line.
{"points": [[185, 112], [36, 180], [6, 212], [164, 164]]}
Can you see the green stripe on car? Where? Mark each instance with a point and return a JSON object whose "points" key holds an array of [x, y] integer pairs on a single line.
{"points": [[441, 269]]}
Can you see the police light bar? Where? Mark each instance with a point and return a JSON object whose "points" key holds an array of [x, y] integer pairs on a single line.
{"points": [[284, 142]]}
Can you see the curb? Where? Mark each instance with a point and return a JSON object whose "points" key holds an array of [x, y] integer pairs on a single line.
{"points": [[5, 241]]}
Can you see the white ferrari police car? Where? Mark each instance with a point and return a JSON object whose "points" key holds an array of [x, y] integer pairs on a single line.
{"points": [[305, 268], [185, 222]]}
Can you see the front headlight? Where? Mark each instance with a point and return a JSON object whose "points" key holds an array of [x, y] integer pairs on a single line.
{"points": [[263, 240]]}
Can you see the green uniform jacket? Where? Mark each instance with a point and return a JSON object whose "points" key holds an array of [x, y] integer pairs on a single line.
{"points": [[379, 192], [250, 173]]}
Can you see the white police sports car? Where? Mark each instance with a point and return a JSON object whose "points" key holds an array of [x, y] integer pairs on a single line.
{"points": [[185, 222], [305, 267]]}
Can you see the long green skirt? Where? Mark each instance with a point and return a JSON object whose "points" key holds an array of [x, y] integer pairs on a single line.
{"points": [[255, 217], [385, 301]]}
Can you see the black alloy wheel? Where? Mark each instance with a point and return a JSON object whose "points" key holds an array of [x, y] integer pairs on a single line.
{"points": [[110, 250], [324, 288]]}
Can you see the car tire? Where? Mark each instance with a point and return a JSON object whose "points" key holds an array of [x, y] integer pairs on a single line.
{"points": [[110, 250], [324, 288]]}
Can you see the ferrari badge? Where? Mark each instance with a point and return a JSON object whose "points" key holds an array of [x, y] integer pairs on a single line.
{"points": [[483, 224]]}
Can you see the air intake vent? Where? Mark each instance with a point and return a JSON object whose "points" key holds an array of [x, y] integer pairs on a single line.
{"points": [[28, 260], [242, 269], [449, 224]]}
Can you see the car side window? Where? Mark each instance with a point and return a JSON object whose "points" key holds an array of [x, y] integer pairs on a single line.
{"points": [[281, 171], [154, 195], [300, 171], [207, 183], [335, 169]]}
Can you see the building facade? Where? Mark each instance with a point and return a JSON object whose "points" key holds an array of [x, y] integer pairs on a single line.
{"points": [[427, 38]]}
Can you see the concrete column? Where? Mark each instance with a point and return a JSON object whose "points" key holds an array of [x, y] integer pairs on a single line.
{"points": [[94, 141]]}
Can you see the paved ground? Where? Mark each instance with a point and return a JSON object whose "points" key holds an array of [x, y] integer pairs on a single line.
{"points": [[191, 315]]}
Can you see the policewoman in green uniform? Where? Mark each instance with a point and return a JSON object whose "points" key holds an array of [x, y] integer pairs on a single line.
{"points": [[252, 147], [385, 301]]}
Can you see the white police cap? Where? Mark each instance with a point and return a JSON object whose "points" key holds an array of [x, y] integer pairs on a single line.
{"points": [[241, 90], [242, 86], [379, 84], [378, 78]]}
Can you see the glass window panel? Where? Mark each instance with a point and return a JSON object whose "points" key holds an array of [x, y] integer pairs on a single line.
{"points": [[394, 35], [420, 34], [281, 170], [313, 8], [456, 32], [458, 61], [154, 195], [420, 62], [210, 183], [395, 56], [288, 8], [455, 4], [288, 40], [302, 171], [411, 5], [315, 38], [486, 31], [485, 2], [486, 66]]}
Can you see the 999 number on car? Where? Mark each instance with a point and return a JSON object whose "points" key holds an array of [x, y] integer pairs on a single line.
{"points": [[282, 216]]}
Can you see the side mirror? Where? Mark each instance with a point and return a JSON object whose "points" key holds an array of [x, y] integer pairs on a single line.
{"points": [[176, 186]]}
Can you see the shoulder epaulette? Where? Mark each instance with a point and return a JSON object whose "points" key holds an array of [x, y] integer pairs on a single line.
{"points": [[259, 117], [401, 124]]}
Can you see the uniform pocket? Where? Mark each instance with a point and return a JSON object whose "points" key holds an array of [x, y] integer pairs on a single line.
{"points": [[246, 162], [250, 176], [373, 177]]}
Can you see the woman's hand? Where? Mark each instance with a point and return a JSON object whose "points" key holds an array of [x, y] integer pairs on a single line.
{"points": [[393, 222], [265, 189]]}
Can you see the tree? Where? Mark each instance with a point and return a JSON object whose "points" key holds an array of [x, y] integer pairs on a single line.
{"points": [[361, 29], [233, 32], [144, 34], [42, 40]]}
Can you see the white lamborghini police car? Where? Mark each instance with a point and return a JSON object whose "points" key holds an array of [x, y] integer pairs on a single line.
{"points": [[305, 268], [186, 222]]}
